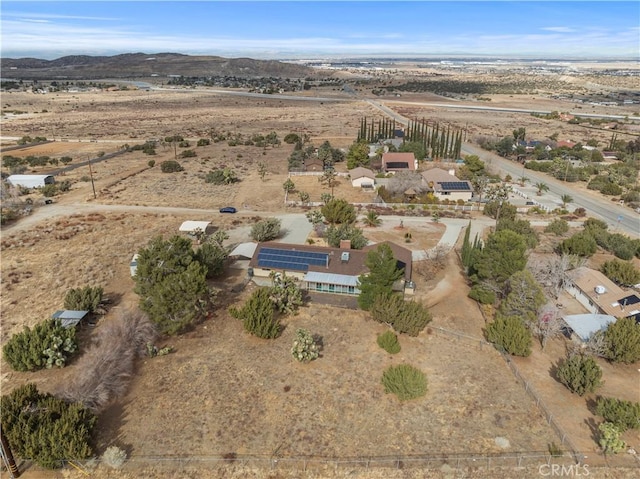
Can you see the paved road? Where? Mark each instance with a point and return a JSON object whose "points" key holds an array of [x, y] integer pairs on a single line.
{"points": [[619, 218]]}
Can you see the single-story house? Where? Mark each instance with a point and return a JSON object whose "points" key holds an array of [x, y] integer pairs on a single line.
{"points": [[31, 181], [69, 318], [191, 227], [362, 177], [600, 295], [446, 186], [323, 269], [394, 162], [609, 155], [586, 325], [313, 164]]}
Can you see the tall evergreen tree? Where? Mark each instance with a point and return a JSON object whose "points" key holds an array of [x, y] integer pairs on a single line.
{"points": [[383, 272]]}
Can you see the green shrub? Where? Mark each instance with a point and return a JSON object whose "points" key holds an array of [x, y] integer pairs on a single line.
{"points": [[203, 142], [46, 345], [482, 294], [624, 414], [621, 272], [84, 299], [581, 374], [510, 334], [580, 244], [49, 190], [170, 166], [610, 438], [258, 315], [389, 342], [557, 227], [188, 154], [406, 317], [265, 230], [623, 341], [45, 429], [304, 347], [151, 163], [404, 381]]}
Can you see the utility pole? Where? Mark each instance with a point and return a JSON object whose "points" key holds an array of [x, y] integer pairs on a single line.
{"points": [[91, 174], [7, 456]]}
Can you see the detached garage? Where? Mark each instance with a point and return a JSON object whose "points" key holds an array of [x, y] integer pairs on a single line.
{"points": [[31, 181]]}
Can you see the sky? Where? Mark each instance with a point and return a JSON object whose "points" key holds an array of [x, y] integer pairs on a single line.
{"points": [[325, 29]]}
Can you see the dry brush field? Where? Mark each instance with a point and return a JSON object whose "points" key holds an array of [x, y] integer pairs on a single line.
{"points": [[223, 391]]}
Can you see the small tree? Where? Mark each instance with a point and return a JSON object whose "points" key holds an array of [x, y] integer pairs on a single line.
{"points": [[541, 187], [566, 199], [266, 230], [262, 170], [338, 211], [510, 334], [258, 315], [288, 186], [329, 179], [624, 414], [580, 244], [404, 381], [84, 299], [45, 429], [581, 374], [623, 341], [304, 197], [304, 348], [610, 438], [345, 231], [621, 272], [383, 273]]}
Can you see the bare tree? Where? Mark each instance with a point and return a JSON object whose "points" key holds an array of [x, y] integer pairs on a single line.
{"points": [[597, 344], [548, 325], [103, 372], [404, 180], [436, 260], [551, 273]]}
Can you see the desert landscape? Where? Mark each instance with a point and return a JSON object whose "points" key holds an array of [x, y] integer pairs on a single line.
{"points": [[227, 404]]}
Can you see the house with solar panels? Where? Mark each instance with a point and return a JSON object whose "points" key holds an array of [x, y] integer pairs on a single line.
{"points": [[394, 162], [599, 295], [324, 269], [446, 186]]}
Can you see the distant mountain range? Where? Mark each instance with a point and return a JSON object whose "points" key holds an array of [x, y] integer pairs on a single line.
{"points": [[146, 66]]}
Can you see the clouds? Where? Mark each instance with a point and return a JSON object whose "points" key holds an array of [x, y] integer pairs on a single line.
{"points": [[421, 28]]}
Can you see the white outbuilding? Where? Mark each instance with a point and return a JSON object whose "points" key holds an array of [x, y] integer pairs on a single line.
{"points": [[31, 181], [192, 227]]}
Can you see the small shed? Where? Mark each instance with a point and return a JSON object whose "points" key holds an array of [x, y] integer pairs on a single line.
{"points": [[192, 226], [69, 318], [244, 250], [133, 265], [586, 325], [31, 181]]}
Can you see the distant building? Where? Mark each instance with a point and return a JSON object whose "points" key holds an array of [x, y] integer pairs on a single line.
{"points": [[394, 162], [362, 177], [445, 185], [31, 181]]}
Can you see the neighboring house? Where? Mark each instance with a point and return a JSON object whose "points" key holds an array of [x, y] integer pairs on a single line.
{"points": [[600, 295], [446, 185], [394, 162], [323, 269], [313, 164], [362, 177], [565, 143], [606, 155], [192, 227], [31, 181]]}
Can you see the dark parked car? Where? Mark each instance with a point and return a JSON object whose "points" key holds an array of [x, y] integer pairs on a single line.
{"points": [[228, 209]]}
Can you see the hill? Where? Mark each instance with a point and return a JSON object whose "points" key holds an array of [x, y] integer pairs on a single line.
{"points": [[142, 65]]}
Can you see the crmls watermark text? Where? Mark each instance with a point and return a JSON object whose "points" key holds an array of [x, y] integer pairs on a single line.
{"points": [[560, 470]]}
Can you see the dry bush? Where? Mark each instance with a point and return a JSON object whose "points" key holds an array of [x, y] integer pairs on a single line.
{"points": [[104, 370]]}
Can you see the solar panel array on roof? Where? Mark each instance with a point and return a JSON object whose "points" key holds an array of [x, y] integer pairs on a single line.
{"points": [[397, 164], [290, 260], [629, 300], [454, 185]]}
